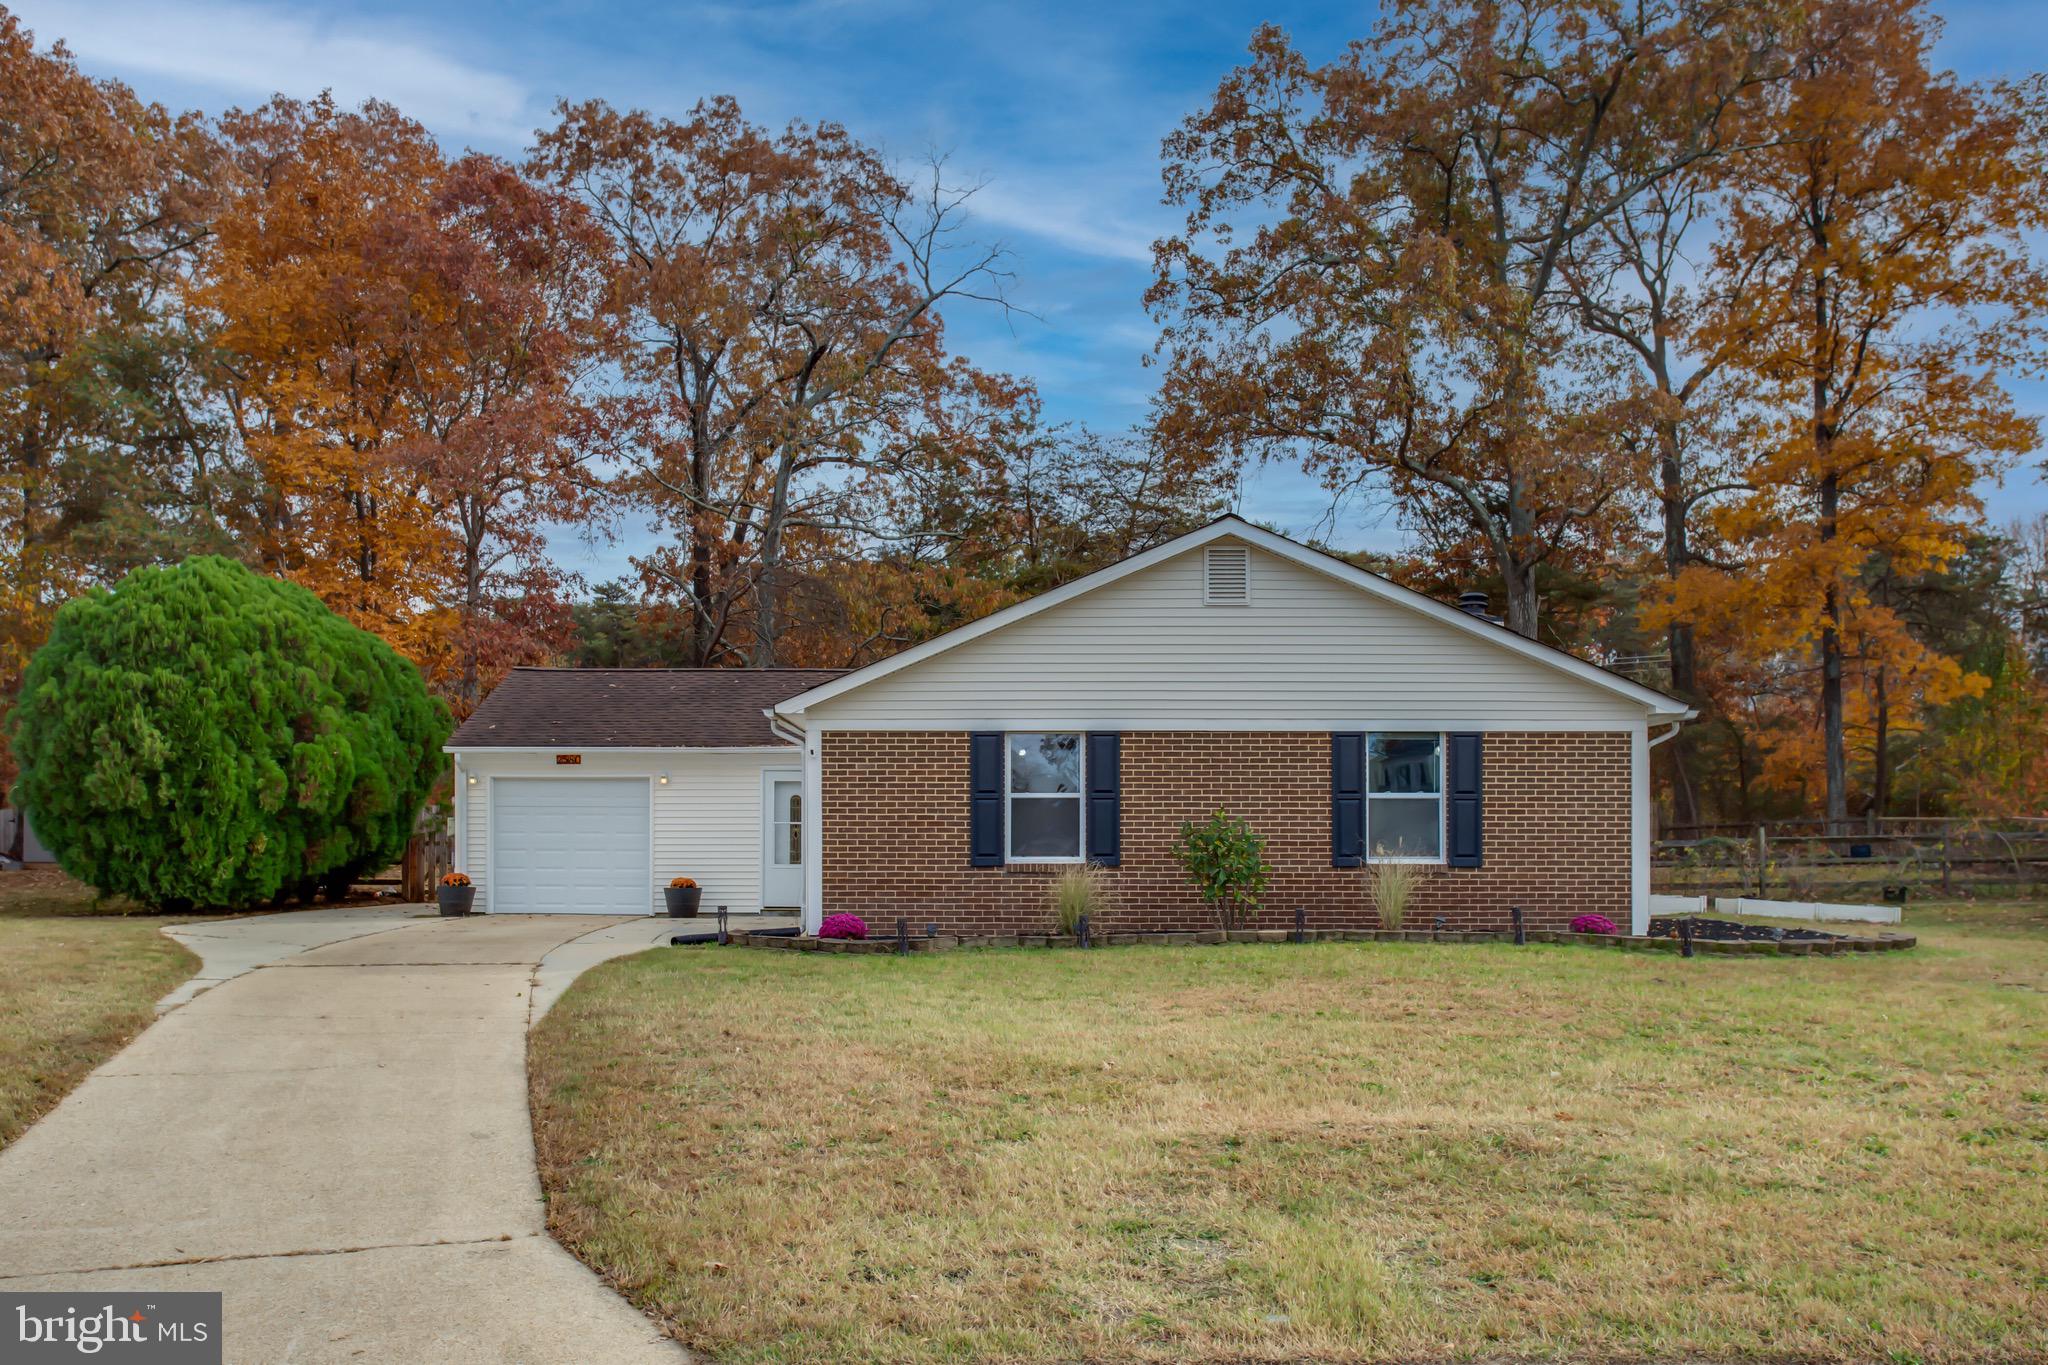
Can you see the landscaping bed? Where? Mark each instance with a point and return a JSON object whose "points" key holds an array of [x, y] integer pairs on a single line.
{"points": [[1733, 931], [1755, 941]]}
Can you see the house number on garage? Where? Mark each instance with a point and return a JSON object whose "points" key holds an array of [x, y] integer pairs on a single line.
{"points": [[568, 760]]}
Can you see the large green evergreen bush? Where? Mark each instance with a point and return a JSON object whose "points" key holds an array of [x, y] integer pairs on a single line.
{"points": [[203, 736]]}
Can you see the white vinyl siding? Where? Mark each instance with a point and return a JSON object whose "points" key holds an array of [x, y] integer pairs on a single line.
{"points": [[707, 820], [1146, 653]]}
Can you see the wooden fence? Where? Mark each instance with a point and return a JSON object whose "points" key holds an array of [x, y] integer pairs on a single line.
{"points": [[1885, 860], [427, 856]]}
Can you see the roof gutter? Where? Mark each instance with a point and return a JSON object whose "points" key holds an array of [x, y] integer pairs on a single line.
{"points": [[1676, 726], [586, 746], [785, 727]]}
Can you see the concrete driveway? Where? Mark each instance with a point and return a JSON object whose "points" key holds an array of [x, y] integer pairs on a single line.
{"points": [[335, 1134]]}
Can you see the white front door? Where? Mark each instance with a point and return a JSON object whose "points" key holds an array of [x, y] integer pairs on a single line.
{"points": [[782, 836], [570, 846]]}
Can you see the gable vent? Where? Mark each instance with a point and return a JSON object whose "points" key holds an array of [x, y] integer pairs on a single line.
{"points": [[1227, 576]]}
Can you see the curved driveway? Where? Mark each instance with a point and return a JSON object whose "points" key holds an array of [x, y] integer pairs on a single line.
{"points": [[338, 1139]]}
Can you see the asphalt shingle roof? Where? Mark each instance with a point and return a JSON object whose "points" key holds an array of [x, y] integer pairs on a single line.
{"points": [[634, 708]]}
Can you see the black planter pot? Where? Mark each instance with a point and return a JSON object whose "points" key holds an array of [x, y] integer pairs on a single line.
{"points": [[683, 901], [455, 900]]}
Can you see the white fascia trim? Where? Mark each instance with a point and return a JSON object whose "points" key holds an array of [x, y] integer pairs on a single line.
{"points": [[485, 750], [1236, 725], [1236, 528]]}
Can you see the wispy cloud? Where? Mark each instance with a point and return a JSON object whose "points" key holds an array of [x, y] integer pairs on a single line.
{"points": [[250, 51], [1076, 222]]}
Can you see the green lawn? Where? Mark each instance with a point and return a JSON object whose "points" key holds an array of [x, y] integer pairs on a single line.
{"points": [[1333, 1151], [77, 980]]}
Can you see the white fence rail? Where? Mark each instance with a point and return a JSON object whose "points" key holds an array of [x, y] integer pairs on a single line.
{"points": [[1811, 910]]}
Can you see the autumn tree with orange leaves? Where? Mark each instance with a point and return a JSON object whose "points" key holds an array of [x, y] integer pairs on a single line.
{"points": [[1878, 228], [507, 429], [400, 342], [1634, 283], [1688, 325], [776, 297], [103, 201], [319, 331], [1372, 274]]}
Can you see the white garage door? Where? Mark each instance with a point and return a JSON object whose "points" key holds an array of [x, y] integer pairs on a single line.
{"points": [[569, 846]]}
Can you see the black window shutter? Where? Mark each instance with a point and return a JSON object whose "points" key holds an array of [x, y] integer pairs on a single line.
{"points": [[1347, 800], [1465, 806], [985, 799], [1105, 799]]}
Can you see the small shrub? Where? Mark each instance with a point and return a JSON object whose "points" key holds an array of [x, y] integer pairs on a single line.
{"points": [[843, 926], [1076, 892], [1593, 924], [1227, 863], [1393, 889]]}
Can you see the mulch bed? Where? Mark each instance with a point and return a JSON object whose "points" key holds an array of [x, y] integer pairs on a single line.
{"points": [[1728, 931], [1735, 938]]}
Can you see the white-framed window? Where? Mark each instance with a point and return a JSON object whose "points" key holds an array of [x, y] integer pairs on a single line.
{"points": [[1042, 797], [1404, 798]]}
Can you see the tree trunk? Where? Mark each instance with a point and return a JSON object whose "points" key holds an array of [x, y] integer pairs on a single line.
{"points": [[696, 391], [1741, 751], [468, 690], [768, 587], [1685, 806], [701, 626], [766, 625], [1881, 780], [1521, 603], [1835, 763], [1685, 800]]}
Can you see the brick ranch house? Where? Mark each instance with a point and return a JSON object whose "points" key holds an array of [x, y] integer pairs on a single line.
{"points": [[1346, 718]]}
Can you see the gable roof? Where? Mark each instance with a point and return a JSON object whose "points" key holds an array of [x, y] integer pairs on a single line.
{"points": [[634, 708], [1655, 703]]}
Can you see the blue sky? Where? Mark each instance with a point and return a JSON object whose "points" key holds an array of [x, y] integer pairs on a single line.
{"points": [[1058, 108]]}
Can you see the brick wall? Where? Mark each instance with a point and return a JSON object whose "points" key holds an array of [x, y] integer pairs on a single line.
{"points": [[895, 833]]}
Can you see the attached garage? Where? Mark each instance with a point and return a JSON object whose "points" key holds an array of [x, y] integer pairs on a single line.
{"points": [[572, 845], [583, 791]]}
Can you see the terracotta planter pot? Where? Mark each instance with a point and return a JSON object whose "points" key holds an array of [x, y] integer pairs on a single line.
{"points": [[682, 900], [455, 900]]}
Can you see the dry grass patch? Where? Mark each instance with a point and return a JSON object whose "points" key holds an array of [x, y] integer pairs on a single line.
{"points": [[77, 981], [1333, 1152]]}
